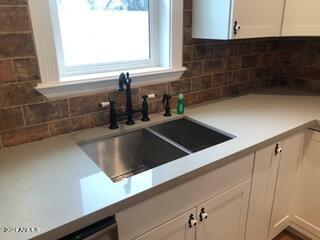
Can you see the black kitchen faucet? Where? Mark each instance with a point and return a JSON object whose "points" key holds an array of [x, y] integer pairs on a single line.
{"points": [[125, 85], [125, 81]]}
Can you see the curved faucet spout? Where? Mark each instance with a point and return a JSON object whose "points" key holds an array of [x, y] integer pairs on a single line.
{"points": [[122, 81], [125, 84]]}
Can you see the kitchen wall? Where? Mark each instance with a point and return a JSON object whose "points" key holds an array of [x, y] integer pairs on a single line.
{"points": [[215, 69], [300, 63]]}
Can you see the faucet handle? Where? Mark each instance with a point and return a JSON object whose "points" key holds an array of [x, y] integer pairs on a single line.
{"points": [[152, 95], [113, 113], [145, 107], [122, 82], [104, 104], [166, 97], [166, 100]]}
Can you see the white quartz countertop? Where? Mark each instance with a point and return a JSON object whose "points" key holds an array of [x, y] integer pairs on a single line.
{"points": [[52, 184]]}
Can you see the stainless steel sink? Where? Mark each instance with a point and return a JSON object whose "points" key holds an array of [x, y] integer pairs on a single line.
{"points": [[132, 153], [190, 135]]}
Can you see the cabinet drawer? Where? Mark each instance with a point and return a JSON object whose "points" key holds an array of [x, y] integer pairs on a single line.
{"points": [[151, 213], [176, 229]]}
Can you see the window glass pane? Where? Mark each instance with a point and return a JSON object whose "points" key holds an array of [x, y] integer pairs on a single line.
{"points": [[104, 31]]}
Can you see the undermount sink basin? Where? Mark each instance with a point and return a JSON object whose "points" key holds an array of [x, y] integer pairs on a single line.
{"points": [[190, 135], [126, 155], [131, 153]]}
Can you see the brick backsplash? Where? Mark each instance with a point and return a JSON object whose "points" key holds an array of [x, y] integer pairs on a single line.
{"points": [[215, 69], [300, 63]]}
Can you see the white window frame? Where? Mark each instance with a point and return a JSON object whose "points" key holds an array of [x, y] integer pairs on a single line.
{"points": [[168, 23]]}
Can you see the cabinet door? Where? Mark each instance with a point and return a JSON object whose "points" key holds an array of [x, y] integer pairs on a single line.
{"points": [[227, 214], [257, 18], [307, 200], [301, 18], [176, 229], [286, 182], [211, 19], [264, 181]]}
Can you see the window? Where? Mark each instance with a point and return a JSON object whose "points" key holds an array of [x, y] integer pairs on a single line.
{"points": [[104, 35], [83, 45]]}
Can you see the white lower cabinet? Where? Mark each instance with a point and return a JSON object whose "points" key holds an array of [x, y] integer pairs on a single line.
{"points": [[286, 183], [307, 200], [222, 193], [264, 181], [273, 188], [220, 218], [226, 215], [176, 229]]}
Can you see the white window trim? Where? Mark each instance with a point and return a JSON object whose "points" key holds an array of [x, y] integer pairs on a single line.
{"points": [[170, 49]]}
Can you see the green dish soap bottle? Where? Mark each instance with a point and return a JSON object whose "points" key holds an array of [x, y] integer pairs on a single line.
{"points": [[180, 106]]}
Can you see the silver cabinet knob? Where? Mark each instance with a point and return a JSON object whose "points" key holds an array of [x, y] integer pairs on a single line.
{"points": [[192, 221], [203, 215]]}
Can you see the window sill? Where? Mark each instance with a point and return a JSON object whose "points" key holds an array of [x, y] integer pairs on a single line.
{"points": [[86, 84]]}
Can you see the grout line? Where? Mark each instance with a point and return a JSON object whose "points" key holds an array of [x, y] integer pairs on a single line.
{"points": [[18, 58], [51, 121], [49, 129], [23, 116], [15, 32], [23, 105], [28, 126], [14, 70], [192, 80], [13, 5], [1, 142], [69, 111], [168, 87], [34, 81]]}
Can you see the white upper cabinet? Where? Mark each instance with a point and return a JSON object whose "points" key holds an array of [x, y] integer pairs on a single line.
{"points": [[257, 18], [235, 19], [301, 18]]}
